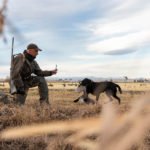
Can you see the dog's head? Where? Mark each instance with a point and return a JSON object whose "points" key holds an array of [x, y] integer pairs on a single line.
{"points": [[83, 84]]}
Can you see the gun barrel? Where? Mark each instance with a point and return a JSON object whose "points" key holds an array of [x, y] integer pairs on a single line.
{"points": [[12, 51], [12, 86]]}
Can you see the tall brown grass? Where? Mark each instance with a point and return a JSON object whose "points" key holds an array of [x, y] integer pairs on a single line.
{"points": [[110, 130]]}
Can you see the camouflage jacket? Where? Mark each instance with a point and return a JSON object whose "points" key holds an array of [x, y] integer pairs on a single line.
{"points": [[23, 68]]}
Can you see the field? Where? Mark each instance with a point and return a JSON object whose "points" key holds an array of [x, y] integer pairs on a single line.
{"points": [[71, 119]]}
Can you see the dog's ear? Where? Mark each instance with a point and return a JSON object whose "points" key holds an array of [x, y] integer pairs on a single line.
{"points": [[86, 79], [86, 82]]}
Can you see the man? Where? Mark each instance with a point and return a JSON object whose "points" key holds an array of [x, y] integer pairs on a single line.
{"points": [[26, 73]]}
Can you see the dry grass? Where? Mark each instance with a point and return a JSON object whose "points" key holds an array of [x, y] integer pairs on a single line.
{"points": [[65, 125]]}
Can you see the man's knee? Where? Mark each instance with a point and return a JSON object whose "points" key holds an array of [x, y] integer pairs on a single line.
{"points": [[43, 84], [40, 80]]}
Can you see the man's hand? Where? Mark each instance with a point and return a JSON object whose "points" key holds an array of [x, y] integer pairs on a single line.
{"points": [[54, 71]]}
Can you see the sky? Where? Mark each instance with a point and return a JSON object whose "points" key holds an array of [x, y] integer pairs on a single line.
{"points": [[100, 38]]}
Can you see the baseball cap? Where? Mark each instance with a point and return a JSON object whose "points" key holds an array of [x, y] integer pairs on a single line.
{"points": [[33, 46]]}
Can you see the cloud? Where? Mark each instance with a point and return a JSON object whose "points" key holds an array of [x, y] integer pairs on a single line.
{"points": [[131, 67], [114, 26], [77, 34], [49, 9], [120, 52], [122, 44], [85, 57], [120, 31]]}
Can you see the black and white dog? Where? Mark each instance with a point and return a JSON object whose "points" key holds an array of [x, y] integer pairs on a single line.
{"points": [[88, 86]]}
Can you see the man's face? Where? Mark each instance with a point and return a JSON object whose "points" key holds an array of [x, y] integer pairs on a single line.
{"points": [[33, 52]]}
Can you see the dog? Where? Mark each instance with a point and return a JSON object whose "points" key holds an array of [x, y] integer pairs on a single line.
{"points": [[96, 88]]}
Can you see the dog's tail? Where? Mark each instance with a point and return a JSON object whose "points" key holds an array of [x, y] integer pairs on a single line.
{"points": [[119, 88]]}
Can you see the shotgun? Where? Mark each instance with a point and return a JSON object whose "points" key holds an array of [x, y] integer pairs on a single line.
{"points": [[13, 89]]}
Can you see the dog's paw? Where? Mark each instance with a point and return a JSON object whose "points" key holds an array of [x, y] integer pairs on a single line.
{"points": [[79, 100], [76, 100]]}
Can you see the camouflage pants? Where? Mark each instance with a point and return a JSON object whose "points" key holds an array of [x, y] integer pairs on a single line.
{"points": [[33, 82]]}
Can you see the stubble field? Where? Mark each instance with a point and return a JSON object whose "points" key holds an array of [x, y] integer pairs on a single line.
{"points": [[63, 112]]}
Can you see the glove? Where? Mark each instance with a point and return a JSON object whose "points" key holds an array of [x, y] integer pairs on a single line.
{"points": [[21, 91]]}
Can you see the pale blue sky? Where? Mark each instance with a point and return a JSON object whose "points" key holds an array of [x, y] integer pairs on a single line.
{"points": [[101, 38]]}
